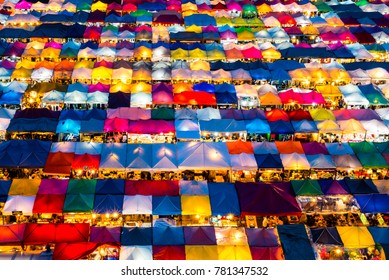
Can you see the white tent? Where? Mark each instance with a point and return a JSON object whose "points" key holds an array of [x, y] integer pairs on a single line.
{"points": [[137, 204], [375, 127], [230, 236], [359, 76], [243, 161], [295, 161], [208, 114], [139, 253], [19, 203], [42, 74]]}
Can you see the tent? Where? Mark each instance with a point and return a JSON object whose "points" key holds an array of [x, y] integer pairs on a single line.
{"points": [[223, 199], [267, 199], [136, 236], [139, 253], [169, 252], [355, 237], [80, 196], [373, 203], [199, 235], [295, 242], [327, 235]]}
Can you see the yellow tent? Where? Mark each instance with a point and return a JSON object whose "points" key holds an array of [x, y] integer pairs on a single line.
{"points": [[141, 87], [220, 21], [329, 91], [46, 64], [194, 28], [180, 87], [195, 205], [21, 73], [264, 9], [355, 237], [339, 75], [26, 187], [189, 7], [271, 54], [270, 99], [309, 30], [120, 86], [216, 54], [99, 6], [50, 53], [143, 53], [84, 64], [179, 54], [141, 75], [322, 114], [26, 64], [234, 252], [200, 65], [102, 74], [246, 36], [200, 252], [328, 126], [301, 74], [231, 236], [238, 22], [319, 76], [31, 52], [197, 54]]}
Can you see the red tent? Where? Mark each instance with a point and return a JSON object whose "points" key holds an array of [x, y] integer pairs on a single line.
{"points": [[73, 251], [159, 188], [116, 125], [49, 203], [169, 253], [55, 233], [252, 53], [238, 147], [266, 253], [194, 98], [291, 97], [58, 163], [277, 115], [12, 234], [86, 161], [300, 114]]}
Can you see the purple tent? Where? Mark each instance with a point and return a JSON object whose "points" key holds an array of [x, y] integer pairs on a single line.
{"points": [[333, 187], [202, 235], [53, 186], [105, 234], [314, 148], [267, 199], [33, 113], [262, 237]]}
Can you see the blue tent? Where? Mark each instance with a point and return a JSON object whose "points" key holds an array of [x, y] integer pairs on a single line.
{"points": [[321, 161], [187, 129], [224, 199], [295, 242], [327, 235], [280, 75], [260, 74], [339, 148], [263, 148], [281, 127], [257, 126], [193, 187], [139, 156], [50, 30], [166, 205], [304, 126], [164, 234], [380, 234], [118, 99], [220, 125], [108, 203], [11, 98], [373, 203], [268, 161], [199, 20], [164, 156], [92, 126], [69, 126], [360, 186], [286, 65], [10, 154], [110, 186], [204, 86], [151, 6], [4, 188], [201, 235], [113, 156], [136, 236], [226, 98], [33, 125]]}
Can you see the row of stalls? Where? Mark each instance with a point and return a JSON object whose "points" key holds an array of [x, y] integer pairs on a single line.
{"points": [[212, 161], [167, 125], [166, 242], [113, 202]]}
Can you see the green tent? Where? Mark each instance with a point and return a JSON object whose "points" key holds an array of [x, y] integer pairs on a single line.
{"points": [[372, 160], [249, 11], [363, 147], [362, 3], [110, 27], [323, 8], [83, 6], [163, 114], [140, 13], [306, 187], [80, 196]]}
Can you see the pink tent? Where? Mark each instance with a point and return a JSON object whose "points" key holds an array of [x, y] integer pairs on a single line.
{"points": [[313, 97], [53, 45], [162, 97], [98, 87], [116, 125], [151, 127], [23, 5], [329, 37], [148, 187], [231, 6], [252, 53], [290, 96]]}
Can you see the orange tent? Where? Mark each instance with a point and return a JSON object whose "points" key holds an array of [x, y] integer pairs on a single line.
{"points": [[289, 147], [238, 147]]}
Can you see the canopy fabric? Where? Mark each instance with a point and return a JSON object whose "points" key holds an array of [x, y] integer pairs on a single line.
{"points": [[355, 237], [327, 235], [223, 199]]}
